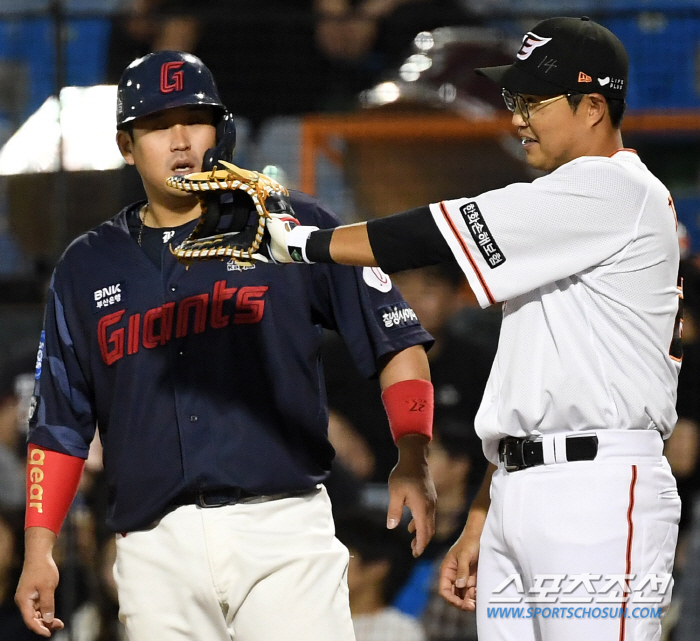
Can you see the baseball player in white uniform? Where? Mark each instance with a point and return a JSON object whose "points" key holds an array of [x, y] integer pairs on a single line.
{"points": [[573, 534]]}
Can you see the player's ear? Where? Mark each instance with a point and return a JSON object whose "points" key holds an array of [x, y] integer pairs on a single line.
{"points": [[596, 107], [126, 146]]}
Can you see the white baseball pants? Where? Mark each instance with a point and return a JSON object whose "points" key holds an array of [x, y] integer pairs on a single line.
{"points": [[559, 526], [245, 572]]}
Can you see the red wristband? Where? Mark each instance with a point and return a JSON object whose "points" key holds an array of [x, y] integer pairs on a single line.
{"points": [[409, 408], [52, 481]]}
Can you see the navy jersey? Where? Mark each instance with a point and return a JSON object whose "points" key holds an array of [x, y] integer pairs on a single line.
{"points": [[201, 377]]}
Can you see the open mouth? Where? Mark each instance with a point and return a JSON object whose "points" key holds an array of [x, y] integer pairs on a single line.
{"points": [[182, 167], [526, 140]]}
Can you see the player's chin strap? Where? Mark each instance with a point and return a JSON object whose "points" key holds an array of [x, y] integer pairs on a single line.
{"points": [[211, 239]]}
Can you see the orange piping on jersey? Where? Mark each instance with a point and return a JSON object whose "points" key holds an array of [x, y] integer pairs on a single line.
{"points": [[628, 559], [633, 151], [465, 249], [678, 327], [673, 209]]}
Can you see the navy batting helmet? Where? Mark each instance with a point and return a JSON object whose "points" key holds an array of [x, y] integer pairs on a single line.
{"points": [[163, 80], [169, 79]]}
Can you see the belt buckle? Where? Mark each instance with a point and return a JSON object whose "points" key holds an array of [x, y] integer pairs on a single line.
{"points": [[513, 447], [202, 495]]}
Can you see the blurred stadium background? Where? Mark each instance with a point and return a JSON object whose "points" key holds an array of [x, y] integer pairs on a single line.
{"points": [[372, 105]]}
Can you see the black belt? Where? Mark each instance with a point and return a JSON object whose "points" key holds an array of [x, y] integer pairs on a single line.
{"points": [[229, 496], [519, 453]]}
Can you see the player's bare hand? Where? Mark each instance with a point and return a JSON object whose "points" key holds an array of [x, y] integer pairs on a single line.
{"points": [[410, 484], [35, 592], [457, 584]]}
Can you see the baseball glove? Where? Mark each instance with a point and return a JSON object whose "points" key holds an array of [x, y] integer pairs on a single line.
{"points": [[236, 203]]}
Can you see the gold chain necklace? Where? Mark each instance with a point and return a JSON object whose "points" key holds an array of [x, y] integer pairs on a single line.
{"points": [[142, 216]]}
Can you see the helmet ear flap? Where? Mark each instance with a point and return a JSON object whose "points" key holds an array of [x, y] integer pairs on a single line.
{"points": [[226, 128], [226, 143], [219, 204]]}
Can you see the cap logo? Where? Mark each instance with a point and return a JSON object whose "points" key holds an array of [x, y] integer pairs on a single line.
{"points": [[171, 80], [530, 42], [604, 81], [584, 77]]}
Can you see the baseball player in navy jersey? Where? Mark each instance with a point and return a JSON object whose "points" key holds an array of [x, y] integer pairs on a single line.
{"points": [[575, 527], [206, 385]]}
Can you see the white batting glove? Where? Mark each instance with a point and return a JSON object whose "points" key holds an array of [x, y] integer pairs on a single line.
{"points": [[287, 239]]}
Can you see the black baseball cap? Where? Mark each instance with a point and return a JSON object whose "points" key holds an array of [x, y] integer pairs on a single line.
{"points": [[564, 55]]}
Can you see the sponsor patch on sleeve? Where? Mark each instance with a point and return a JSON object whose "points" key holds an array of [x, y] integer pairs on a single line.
{"points": [[397, 316], [377, 279], [40, 355], [482, 235]]}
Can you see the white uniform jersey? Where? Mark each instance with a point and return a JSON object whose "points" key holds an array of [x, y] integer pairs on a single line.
{"points": [[586, 260]]}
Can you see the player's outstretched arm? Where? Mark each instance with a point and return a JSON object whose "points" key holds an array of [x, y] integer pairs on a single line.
{"points": [[294, 243], [37, 584], [457, 583], [350, 245], [407, 395], [402, 241]]}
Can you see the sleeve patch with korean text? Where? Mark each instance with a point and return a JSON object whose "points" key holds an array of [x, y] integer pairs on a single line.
{"points": [[482, 235]]}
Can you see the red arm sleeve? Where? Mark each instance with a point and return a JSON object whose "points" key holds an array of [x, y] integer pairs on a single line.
{"points": [[409, 408], [52, 482]]}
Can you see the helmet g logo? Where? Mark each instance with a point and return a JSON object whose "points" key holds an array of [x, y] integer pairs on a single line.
{"points": [[530, 42], [171, 80]]}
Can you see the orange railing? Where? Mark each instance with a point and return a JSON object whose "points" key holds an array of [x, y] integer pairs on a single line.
{"points": [[319, 130]]}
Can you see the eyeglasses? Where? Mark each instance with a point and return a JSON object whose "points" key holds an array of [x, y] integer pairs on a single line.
{"points": [[525, 106]]}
